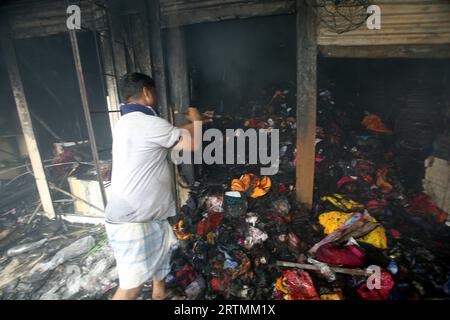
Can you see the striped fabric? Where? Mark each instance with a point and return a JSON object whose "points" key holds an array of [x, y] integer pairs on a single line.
{"points": [[142, 251]]}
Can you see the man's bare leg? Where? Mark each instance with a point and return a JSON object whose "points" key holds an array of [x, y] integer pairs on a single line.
{"points": [[159, 289], [127, 294]]}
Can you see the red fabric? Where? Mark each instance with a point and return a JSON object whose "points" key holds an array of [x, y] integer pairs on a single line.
{"points": [[374, 204], [282, 188], [66, 156], [289, 217], [319, 158], [395, 233], [275, 216], [344, 180], [221, 285], [253, 123], [422, 204], [210, 223], [186, 275], [300, 286], [367, 179], [334, 255], [386, 285]]}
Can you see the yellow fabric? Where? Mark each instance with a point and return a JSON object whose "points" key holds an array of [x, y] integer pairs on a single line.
{"points": [[210, 238], [334, 219], [343, 204], [332, 296]]}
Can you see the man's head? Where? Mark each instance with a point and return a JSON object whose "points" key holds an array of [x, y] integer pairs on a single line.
{"points": [[138, 88]]}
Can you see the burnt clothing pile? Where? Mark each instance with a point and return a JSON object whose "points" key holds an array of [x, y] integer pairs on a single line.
{"points": [[239, 231]]}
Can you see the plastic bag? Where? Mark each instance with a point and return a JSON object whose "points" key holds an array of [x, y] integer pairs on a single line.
{"points": [[76, 249], [26, 247], [73, 282]]}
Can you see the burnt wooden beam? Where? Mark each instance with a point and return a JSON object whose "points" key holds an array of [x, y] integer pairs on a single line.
{"points": [[15, 79], [306, 101], [45, 18], [435, 51], [193, 12]]}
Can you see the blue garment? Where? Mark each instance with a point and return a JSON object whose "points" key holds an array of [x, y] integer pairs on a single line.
{"points": [[135, 107]]}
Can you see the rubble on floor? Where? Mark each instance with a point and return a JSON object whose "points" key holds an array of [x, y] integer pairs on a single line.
{"points": [[52, 259]]}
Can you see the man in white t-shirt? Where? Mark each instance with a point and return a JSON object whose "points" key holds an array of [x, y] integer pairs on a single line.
{"points": [[141, 197]]}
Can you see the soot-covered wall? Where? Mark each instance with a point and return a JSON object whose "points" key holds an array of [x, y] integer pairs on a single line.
{"points": [[235, 64]]}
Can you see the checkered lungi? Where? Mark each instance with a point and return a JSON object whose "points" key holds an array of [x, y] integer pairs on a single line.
{"points": [[142, 251]]}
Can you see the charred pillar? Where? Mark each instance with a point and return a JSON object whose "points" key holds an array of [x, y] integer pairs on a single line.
{"points": [[140, 38], [114, 60], [158, 69], [25, 119], [157, 56], [306, 101], [179, 98]]}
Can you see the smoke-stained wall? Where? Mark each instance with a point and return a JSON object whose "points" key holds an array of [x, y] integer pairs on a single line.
{"points": [[233, 62]]}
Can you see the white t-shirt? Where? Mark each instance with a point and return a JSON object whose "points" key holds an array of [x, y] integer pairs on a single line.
{"points": [[141, 181]]}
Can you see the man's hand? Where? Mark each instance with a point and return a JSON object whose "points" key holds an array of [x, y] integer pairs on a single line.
{"points": [[193, 114]]}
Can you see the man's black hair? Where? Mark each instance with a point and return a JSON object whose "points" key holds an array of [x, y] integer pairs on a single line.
{"points": [[131, 85]]}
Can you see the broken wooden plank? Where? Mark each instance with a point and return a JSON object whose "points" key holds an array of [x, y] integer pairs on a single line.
{"points": [[353, 272]]}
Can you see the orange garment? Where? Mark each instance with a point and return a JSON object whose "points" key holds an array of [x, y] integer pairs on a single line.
{"points": [[373, 123], [252, 184], [382, 181], [180, 231]]}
